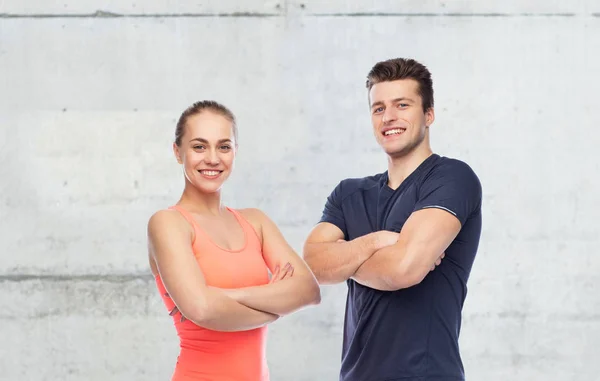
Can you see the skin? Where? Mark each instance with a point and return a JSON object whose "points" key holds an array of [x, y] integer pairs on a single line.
{"points": [[207, 156], [386, 260]]}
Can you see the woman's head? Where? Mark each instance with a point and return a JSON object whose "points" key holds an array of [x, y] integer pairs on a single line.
{"points": [[206, 144], [199, 107]]}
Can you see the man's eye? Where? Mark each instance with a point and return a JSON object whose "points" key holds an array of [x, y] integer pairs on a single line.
{"points": [[403, 105], [378, 109]]}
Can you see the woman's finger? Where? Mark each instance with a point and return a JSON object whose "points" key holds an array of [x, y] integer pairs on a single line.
{"points": [[289, 272], [274, 275]]}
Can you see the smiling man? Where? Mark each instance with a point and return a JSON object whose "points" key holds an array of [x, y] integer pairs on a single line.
{"points": [[404, 241]]}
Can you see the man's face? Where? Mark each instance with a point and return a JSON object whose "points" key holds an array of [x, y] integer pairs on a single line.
{"points": [[399, 123]]}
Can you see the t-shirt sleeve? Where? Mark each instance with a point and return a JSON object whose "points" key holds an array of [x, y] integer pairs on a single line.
{"points": [[453, 187], [332, 212]]}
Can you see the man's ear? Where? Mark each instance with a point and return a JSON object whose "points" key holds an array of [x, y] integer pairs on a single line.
{"points": [[429, 117]]}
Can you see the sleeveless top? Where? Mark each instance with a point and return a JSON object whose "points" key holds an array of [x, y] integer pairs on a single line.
{"points": [[212, 355]]}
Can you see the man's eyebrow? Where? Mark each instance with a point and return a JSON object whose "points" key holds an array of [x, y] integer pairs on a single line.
{"points": [[378, 103], [401, 99], [396, 100]]}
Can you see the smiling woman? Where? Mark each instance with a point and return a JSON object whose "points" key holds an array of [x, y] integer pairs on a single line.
{"points": [[205, 144], [211, 262]]}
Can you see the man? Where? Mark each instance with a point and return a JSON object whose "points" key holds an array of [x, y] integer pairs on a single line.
{"points": [[385, 234]]}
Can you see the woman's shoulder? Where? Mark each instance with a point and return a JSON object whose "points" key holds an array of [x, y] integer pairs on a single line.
{"points": [[251, 213], [163, 215], [163, 219], [255, 217]]}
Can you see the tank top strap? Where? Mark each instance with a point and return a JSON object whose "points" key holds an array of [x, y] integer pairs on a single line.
{"points": [[188, 216], [246, 225]]}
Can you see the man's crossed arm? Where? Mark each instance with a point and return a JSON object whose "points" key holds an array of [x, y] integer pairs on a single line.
{"points": [[382, 260]]}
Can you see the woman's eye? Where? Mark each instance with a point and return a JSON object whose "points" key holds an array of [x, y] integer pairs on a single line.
{"points": [[225, 147]]}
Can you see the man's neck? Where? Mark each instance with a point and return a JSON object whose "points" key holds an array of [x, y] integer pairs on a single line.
{"points": [[399, 168]]}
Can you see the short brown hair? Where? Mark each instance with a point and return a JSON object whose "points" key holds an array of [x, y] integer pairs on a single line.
{"points": [[402, 68], [198, 108]]}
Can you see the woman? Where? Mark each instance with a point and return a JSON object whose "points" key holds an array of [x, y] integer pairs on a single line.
{"points": [[211, 262]]}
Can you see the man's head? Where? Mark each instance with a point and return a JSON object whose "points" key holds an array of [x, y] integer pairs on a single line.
{"points": [[401, 104]]}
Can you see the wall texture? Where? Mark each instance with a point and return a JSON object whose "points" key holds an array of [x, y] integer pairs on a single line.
{"points": [[89, 95]]}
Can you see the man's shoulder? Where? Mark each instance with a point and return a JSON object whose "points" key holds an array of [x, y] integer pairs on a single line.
{"points": [[452, 164], [451, 176], [452, 167], [351, 185]]}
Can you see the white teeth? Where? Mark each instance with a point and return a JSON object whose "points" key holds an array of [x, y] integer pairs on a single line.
{"points": [[394, 131], [210, 173]]}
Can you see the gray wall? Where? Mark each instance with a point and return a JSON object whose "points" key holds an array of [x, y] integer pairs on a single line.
{"points": [[89, 95]]}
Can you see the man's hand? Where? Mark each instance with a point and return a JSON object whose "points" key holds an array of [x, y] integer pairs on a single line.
{"points": [[438, 261]]}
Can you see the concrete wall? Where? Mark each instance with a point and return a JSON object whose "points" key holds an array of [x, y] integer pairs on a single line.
{"points": [[89, 94]]}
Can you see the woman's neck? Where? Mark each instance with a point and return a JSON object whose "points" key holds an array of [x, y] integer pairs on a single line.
{"points": [[200, 202]]}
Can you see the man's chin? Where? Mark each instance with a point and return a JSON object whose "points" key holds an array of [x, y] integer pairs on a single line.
{"points": [[397, 152], [394, 151]]}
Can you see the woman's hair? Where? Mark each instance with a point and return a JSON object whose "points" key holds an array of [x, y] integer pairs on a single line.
{"points": [[198, 108]]}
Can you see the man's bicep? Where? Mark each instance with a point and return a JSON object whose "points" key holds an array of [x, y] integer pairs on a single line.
{"points": [[426, 234], [325, 232]]}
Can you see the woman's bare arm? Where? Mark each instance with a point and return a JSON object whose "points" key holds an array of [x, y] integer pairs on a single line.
{"points": [[297, 286], [169, 236]]}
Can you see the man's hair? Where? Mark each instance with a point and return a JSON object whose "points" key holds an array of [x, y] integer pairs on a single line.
{"points": [[198, 108], [403, 68]]}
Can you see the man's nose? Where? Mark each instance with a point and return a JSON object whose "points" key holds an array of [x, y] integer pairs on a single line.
{"points": [[389, 115]]}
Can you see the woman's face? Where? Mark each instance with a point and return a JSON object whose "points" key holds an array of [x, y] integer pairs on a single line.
{"points": [[207, 151]]}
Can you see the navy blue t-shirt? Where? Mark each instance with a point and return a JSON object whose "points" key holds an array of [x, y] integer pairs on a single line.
{"points": [[410, 334]]}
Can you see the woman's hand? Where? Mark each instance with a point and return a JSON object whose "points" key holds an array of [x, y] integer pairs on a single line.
{"points": [[281, 273]]}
